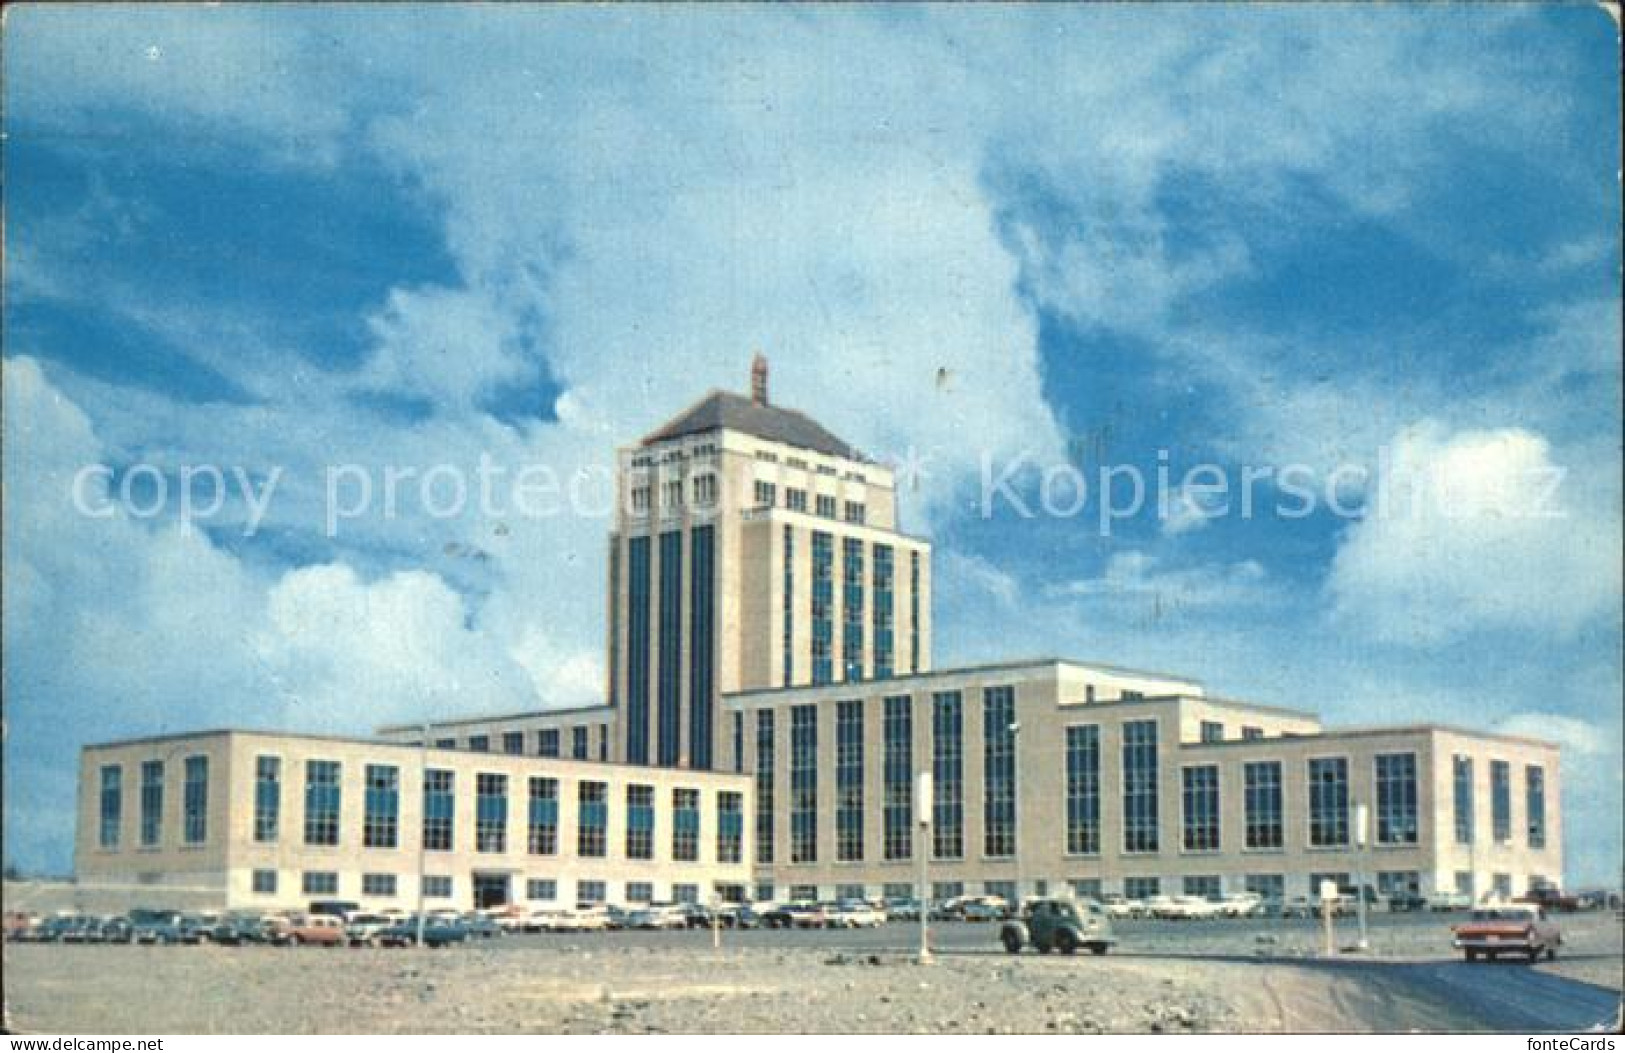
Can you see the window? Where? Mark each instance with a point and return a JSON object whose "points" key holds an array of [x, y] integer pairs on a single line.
{"points": [[849, 781], [1261, 792], [322, 797], [479, 743], [999, 771], [1133, 696], [542, 835], [764, 786], [795, 500], [730, 826], [739, 742], [603, 742], [438, 809], [112, 805], [898, 789], [589, 891], [826, 506], [637, 651], [1341, 880], [267, 799], [802, 893], [319, 882], [1200, 795], [580, 746], [264, 882], [789, 605], [850, 891], [1395, 882], [1461, 779], [897, 890], [671, 495], [701, 624], [513, 742], [639, 892], [766, 494], [381, 822], [685, 825], [884, 646], [1267, 886], [1501, 800], [1328, 802], [1251, 734], [855, 512], [914, 612], [541, 889], [947, 775], [1085, 888], [1535, 804], [852, 609], [593, 819], [1083, 789], [705, 491], [445, 744], [669, 662], [152, 802], [436, 886], [1204, 885], [1212, 731], [1140, 786], [823, 600], [682, 893], [377, 884], [640, 822], [490, 812], [765, 892], [1142, 888], [1396, 799], [804, 784], [640, 499], [1502, 884], [547, 742]]}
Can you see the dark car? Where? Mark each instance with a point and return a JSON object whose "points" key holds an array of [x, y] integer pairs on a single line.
{"points": [[696, 916], [1406, 902], [117, 929], [437, 932], [155, 926], [481, 926], [198, 928], [240, 927], [1059, 925]]}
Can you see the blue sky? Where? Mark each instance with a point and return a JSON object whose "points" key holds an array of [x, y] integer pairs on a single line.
{"points": [[288, 238]]}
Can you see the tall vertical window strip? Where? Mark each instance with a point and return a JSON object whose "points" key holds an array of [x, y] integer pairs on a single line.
{"points": [[668, 744], [947, 775], [789, 605], [1200, 797], [267, 799], [1396, 799], [637, 651], [730, 826], [914, 612], [542, 837], [592, 818], [1140, 786], [614, 620], [764, 785], [851, 609], [739, 742], [195, 801], [1083, 789], [881, 604], [322, 797], [547, 742], [702, 618], [439, 803], [823, 599], [898, 774], [685, 825], [1328, 802], [1261, 790], [490, 812], [640, 822], [1461, 778], [1535, 804], [804, 784], [380, 827], [112, 805], [1501, 800], [999, 771], [849, 781], [152, 802]]}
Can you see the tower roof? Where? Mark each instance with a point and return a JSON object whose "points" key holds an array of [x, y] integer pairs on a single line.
{"points": [[724, 409]]}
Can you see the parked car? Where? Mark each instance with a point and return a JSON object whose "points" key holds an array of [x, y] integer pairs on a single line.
{"points": [[1298, 907], [1407, 902], [1241, 905], [984, 908], [361, 929], [116, 929], [239, 927], [1550, 898], [21, 926], [1444, 901], [853, 914], [696, 915], [1523, 929], [657, 916], [902, 909], [319, 930], [198, 928], [437, 932], [1120, 906], [155, 926], [481, 926], [339, 908], [1186, 908], [1158, 906], [798, 915], [1059, 924]]}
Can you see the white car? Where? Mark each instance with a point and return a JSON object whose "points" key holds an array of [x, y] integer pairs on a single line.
{"points": [[853, 914], [1188, 907], [363, 929], [1241, 905], [1119, 906]]}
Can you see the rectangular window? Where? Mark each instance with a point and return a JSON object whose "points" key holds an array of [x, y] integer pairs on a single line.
{"points": [[541, 889], [947, 775], [1261, 792], [803, 893], [377, 884], [804, 784], [730, 826], [639, 892], [1501, 800], [681, 893], [823, 602], [1206, 886], [1212, 731], [739, 742], [826, 506], [593, 819], [1502, 885], [1142, 888], [1085, 888], [264, 882], [855, 512], [112, 805], [885, 644], [1341, 880], [640, 822], [1083, 789], [789, 605], [490, 812], [701, 645], [914, 612], [1535, 804], [1200, 796], [590, 892], [852, 609], [944, 890], [267, 799], [322, 798], [1328, 802], [152, 802], [513, 742], [381, 823], [1267, 886], [1396, 799], [580, 745], [637, 651], [685, 825], [668, 745], [542, 836], [1140, 786], [436, 886], [795, 500], [999, 771], [439, 803], [764, 786], [547, 742], [1461, 778], [1251, 734], [849, 781], [479, 743], [765, 494], [1395, 882], [319, 882], [898, 791]]}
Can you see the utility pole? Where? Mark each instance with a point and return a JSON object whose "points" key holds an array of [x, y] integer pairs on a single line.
{"points": [[1362, 819], [922, 806]]}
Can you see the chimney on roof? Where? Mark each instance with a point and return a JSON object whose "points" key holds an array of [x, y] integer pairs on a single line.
{"points": [[758, 379]]}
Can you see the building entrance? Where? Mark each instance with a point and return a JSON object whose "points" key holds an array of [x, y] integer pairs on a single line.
{"points": [[491, 890]]}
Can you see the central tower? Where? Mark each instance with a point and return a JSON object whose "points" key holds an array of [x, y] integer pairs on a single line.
{"points": [[751, 549]]}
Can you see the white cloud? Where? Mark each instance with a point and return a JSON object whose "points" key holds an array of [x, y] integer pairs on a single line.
{"points": [[1578, 737], [1138, 578]]}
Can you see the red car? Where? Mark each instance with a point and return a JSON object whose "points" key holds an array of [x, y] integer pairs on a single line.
{"points": [[1520, 929]]}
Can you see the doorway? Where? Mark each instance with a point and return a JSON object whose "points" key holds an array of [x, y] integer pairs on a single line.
{"points": [[491, 890]]}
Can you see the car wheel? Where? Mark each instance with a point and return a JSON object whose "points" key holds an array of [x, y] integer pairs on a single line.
{"points": [[1011, 940], [1097, 948], [1472, 956], [1067, 942], [1534, 955], [1043, 948], [1551, 953]]}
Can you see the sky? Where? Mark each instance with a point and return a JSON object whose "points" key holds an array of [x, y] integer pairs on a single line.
{"points": [[1005, 248]]}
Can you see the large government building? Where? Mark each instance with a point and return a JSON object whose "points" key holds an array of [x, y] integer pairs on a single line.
{"points": [[770, 707]]}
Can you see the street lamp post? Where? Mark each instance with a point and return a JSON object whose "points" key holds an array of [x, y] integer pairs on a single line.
{"points": [[1362, 818], [922, 806]]}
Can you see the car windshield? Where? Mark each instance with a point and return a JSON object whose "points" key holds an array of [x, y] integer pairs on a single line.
{"points": [[1502, 915]]}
